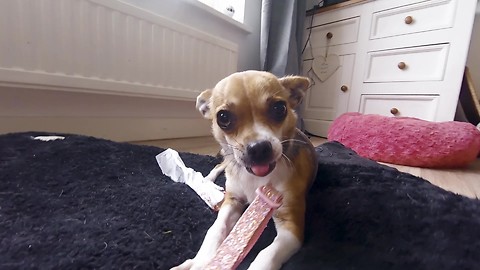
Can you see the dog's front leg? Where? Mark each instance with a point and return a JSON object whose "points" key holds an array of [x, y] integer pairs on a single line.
{"points": [[228, 215], [215, 172], [289, 224], [276, 254]]}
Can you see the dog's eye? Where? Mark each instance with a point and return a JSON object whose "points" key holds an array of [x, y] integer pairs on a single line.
{"points": [[278, 111], [224, 119]]}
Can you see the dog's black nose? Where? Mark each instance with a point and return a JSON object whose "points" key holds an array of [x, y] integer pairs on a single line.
{"points": [[260, 152]]}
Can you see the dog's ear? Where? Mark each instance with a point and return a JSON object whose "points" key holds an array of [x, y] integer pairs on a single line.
{"points": [[297, 85], [203, 103]]}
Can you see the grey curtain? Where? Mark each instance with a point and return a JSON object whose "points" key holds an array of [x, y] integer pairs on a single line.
{"points": [[281, 37], [281, 33]]}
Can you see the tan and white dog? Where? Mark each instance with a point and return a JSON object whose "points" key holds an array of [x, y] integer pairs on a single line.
{"points": [[254, 122]]}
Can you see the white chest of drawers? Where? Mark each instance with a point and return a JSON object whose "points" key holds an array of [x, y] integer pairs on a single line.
{"points": [[397, 58]]}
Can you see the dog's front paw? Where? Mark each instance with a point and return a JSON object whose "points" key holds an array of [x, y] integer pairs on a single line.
{"points": [[210, 178], [190, 264], [265, 261], [258, 265], [186, 265]]}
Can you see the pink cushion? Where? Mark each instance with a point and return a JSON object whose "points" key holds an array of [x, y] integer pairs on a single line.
{"points": [[407, 141]]}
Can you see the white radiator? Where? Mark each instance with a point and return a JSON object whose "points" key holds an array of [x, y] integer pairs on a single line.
{"points": [[107, 46]]}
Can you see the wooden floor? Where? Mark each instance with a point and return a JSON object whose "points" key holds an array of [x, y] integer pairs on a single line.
{"points": [[462, 181]]}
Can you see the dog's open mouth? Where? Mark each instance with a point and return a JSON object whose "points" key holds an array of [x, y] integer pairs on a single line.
{"points": [[261, 169]]}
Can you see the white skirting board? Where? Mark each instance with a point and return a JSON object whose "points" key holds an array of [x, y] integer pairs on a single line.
{"points": [[114, 117], [117, 129]]}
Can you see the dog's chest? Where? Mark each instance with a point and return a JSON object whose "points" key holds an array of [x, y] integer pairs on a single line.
{"points": [[243, 185]]}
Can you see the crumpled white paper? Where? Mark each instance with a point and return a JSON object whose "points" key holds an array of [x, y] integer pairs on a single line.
{"points": [[172, 166], [48, 138]]}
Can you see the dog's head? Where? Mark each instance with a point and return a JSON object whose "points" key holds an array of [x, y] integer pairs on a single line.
{"points": [[252, 113]]}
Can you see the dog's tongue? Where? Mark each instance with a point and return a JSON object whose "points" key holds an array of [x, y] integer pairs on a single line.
{"points": [[261, 170]]}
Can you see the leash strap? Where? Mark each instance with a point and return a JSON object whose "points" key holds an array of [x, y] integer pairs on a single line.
{"points": [[247, 230]]}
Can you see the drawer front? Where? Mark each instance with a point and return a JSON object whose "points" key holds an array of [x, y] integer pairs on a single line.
{"points": [[340, 32], [329, 99], [423, 63], [421, 17], [423, 107]]}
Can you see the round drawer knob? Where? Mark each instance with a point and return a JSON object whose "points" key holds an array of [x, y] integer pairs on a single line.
{"points": [[329, 35], [402, 65], [344, 88], [394, 111], [408, 19]]}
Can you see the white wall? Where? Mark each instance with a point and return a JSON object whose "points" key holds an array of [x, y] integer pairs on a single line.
{"points": [[187, 13], [130, 118], [473, 61]]}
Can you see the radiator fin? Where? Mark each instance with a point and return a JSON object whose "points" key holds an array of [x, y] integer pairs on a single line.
{"points": [[108, 47]]}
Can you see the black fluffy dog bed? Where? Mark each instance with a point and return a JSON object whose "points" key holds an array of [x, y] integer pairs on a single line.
{"points": [[90, 203]]}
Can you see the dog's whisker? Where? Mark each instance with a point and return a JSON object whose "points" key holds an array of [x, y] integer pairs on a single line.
{"points": [[239, 150], [287, 159], [227, 144], [241, 145], [232, 146], [229, 160], [274, 94], [294, 141], [229, 154]]}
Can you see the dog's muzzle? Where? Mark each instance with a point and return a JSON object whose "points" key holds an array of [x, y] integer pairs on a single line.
{"points": [[259, 160]]}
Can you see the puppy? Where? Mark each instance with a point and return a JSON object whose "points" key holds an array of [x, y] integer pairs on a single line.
{"points": [[254, 122]]}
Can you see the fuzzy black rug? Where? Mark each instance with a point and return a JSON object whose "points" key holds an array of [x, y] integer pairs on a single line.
{"points": [[90, 203]]}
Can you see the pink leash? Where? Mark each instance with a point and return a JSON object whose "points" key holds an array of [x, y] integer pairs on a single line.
{"points": [[247, 230]]}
